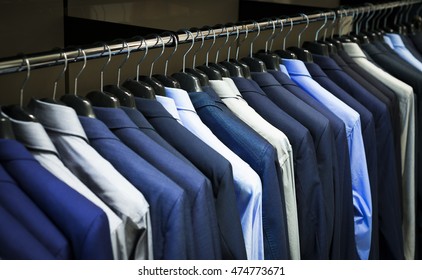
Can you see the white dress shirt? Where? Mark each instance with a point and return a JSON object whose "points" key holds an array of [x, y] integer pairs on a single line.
{"points": [[406, 99], [248, 186], [233, 99], [66, 132], [170, 106]]}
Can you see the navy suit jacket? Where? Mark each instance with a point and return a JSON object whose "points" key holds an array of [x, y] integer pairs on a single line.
{"points": [[213, 165], [170, 211], [83, 223], [343, 246], [196, 185], [261, 156]]}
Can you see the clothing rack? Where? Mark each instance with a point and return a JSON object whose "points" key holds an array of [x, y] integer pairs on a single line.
{"points": [[54, 58]]}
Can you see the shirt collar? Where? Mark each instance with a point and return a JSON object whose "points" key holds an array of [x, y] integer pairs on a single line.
{"points": [[284, 70], [57, 118], [13, 150], [114, 118], [388, 41], [223, 89], [326, 62], [353, 50], [151, 108], [315, 70], [170, 106], [396, 40], [296, 67], [32, 135], [180, 98], [96, 129], [199, 100]]}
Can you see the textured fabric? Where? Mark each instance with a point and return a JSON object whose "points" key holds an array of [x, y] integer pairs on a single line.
{"points": [[34, 137], [389, 191], [248, 185], [309, 190], [321, 133], [399, 47], [407, 109], [360, 181], [261, 156], [231, 96], [97, 174], [197, 187], [83, 223], [343, 244], [217, 169], [32, 219], [369, 141]]}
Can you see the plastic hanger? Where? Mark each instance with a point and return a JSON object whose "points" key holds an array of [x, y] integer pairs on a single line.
{"points": [[154, 83], [19, 112], [255, 64], [203, 78], [53, 99], [166, 80], [80, 104], [211, 72], [301, 53], [6, 131], [342, 36], [331, 47], [99, 97], [219, 67], [234, 68], [123, 95], [188, 81], [283, 53], [272, 61], [317, 47], [331, 41], [136, 87]]}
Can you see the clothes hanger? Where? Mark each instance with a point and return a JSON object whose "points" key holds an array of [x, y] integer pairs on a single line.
{"points": [[187, 81], [317, 47], [219, 67], [350, 37], [124, 96], [19, 112], [410, 26], [245, 68], [301, 53], [375, 25], [137, 87], [234, 68], [271, 60], [154, 83], [367, 35], [53, 99], [398, 27], [283, 53], [332, 41], [80, 104], [211, 72], [331, 47], [6, 131], [255, 64], [386, 28], [166, 80], [99, 97], [203, 78]]}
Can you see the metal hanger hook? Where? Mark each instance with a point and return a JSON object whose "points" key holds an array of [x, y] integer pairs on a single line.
{"points": [[331, 26], [279, 33], [212, 44], [106, 46], [272, 22], [138, 66], [322, 26], [299, 37], [242, 41], [189, 34], [62, 53], [231, 44], [80, 71], [288, 33], [163, 47], [371, 14], [226, 30], [254, 39], [119, 69], [197, 30], [176, 44], [28, 75]]}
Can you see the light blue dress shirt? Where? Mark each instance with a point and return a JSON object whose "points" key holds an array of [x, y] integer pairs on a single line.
{"points": [[247, 182], [360, 180], [402, 51]]}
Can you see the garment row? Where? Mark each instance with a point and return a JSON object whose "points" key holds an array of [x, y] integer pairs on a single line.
{"points": [[314, 160]]}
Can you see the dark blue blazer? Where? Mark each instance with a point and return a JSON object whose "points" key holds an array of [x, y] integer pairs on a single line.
{"points": [[309, 190], [18, 204], [83, 223], [169, 208], [196, 185], [343, 246], [212, 164], [389, 192], [262, 158]]}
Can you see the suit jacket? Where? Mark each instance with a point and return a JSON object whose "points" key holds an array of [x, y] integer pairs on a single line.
{"points": [[83, 223], [212, 164]]}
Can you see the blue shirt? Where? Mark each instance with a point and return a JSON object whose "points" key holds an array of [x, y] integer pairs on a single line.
{"points": [[261, 156], [84, 224], [248, 185], [196, 185], [360, 180], [399, 47]]}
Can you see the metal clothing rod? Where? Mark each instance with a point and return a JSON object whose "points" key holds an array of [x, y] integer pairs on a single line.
{"points": [[54, 58]]}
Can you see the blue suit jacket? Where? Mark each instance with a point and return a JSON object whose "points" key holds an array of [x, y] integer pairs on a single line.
{"points": [[212, 164], [170, 211], [83, 223], [261, 156], [18, 204], [196, 185]]}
